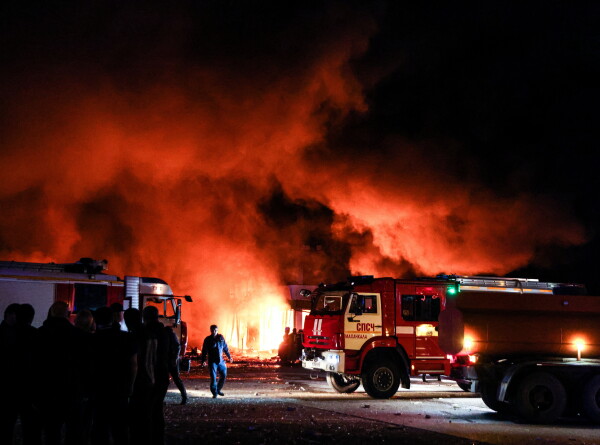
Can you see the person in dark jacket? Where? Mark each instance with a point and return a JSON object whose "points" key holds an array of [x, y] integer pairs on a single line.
{"points": [[148, 420], [9, 370], [26, 344], [114, 359], [174, 365], [213, 347], [60, 391], [84, 321]]}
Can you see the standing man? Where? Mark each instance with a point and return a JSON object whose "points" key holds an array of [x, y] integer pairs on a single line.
{"points": [[9, 372], [114, 360], [214, 346], [61, 348], [174, 364]]}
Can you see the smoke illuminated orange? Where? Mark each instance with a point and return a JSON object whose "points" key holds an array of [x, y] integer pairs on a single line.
{"points": [[165, 174]]}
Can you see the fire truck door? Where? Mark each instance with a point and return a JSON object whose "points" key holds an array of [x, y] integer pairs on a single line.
{"points": [[421, 310], [363, 320]]}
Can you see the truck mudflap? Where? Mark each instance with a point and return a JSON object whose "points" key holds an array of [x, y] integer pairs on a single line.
{"points": [[330, 361], [466, 376]]}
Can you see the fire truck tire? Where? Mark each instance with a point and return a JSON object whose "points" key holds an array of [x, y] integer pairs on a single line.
{"points": [[540, 398], [381, 379], [590, 400], [489, 395], [341, 383]]}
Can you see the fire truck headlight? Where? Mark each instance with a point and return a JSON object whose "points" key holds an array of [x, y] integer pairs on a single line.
{"points": [[333, 358]]}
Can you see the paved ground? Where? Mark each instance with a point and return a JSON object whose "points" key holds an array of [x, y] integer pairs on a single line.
{"points": [[265, 403]]}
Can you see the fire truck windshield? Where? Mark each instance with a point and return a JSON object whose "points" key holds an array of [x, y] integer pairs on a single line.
{"points": [[166, 306], [330, 303]]}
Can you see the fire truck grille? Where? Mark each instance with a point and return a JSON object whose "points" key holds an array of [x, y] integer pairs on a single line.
{"points": [[318, 340]]}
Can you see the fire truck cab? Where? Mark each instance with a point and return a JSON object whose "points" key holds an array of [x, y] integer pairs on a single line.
{"points": [[378, 331]]}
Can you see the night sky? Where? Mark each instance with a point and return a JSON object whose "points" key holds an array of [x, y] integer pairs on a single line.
{"points": [[211, 143]]}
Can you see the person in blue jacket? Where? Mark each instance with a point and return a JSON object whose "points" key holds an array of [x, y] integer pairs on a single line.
{"points": [[213, 347]]}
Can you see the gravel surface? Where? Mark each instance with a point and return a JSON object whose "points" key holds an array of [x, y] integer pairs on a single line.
{"points": [[258, 408]]}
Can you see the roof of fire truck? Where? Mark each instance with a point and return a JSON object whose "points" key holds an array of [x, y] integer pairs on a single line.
{"points": [[473, 283], [85, 266]]}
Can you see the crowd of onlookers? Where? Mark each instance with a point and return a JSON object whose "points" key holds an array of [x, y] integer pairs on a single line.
{"points": [[86, 382]]}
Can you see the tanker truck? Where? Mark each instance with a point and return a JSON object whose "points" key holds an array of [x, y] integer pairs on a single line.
{"points": [[382, 331], [532, 353]]}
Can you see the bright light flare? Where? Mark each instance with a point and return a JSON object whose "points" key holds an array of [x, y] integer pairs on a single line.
{"points": [[580, 345], [468, 344]]}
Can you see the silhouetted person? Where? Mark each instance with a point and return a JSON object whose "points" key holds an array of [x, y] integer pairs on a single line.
{"points": [[174, 365], [152, 381], [9, 369], [298, 345], [118, 315], [138, 412], [285, 347], [84, 320], [293, 346], [61, 384], [133, 320], [214, 347], [26, 344], [114, 358]]}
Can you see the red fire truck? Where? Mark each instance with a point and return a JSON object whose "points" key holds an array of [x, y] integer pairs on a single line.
{"points": [[378, 331], [84, 285]]}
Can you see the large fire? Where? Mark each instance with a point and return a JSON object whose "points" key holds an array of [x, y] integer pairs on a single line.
{"points": [[202, 157]]}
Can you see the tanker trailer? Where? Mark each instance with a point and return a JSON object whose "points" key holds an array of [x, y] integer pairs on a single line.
{"points": [[534, 355]]}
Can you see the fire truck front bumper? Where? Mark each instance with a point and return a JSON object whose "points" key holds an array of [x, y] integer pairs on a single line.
{"points": [[329, 361]]}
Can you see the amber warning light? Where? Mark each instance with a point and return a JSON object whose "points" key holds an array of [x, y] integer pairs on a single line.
{"points": [[580, 345], [468, 344]]}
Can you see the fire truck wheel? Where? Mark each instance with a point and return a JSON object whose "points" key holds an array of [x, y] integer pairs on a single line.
{"points": [[489, 395], [591, 399], [342, 383], [381, 379], [540, 398]]}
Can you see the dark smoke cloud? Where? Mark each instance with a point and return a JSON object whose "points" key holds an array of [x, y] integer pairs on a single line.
{"points": [[220, 143]]}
